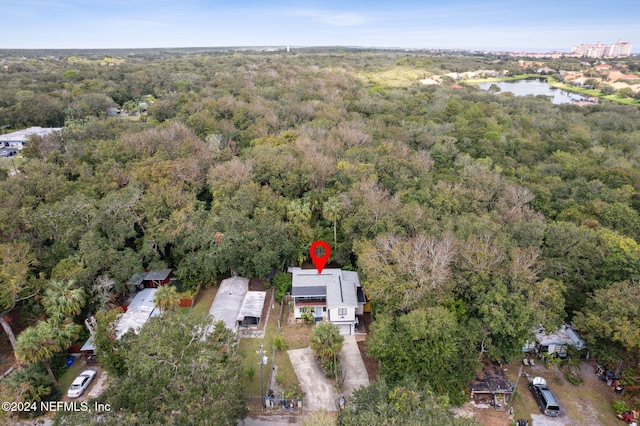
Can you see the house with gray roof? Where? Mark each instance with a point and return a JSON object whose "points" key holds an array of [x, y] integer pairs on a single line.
{"points": [[18, 139], [334, 295]]}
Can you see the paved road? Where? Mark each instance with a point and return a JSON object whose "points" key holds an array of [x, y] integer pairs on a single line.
{"points": [[353, 366], [319, 392]]}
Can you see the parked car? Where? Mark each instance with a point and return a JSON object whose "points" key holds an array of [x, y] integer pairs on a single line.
{"points": [[81, 383], [544, 397]]}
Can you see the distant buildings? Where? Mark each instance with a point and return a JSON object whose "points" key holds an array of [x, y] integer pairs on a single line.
{"points": [[18, 139], [620, 49]]}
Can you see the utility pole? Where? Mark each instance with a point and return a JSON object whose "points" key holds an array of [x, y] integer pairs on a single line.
{"points": [[263, 361]]}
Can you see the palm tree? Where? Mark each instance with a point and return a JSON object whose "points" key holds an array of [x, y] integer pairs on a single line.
{"points": [[63, 299], [39, 343], [299, 212], [331, 211], [326, 340], [166, 297]]}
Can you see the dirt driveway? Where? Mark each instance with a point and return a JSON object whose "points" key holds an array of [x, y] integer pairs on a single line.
{"points": [[319, 391]]}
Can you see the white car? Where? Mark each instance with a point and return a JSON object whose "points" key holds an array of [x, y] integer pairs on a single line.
{"points": [[81, 383]]}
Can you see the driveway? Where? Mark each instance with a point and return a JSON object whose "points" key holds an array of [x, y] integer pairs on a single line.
{"points": [[542, 420], [319, 391], [353, 366]]}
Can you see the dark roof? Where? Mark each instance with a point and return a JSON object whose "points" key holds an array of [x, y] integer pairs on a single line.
{"points": [[491, 379], [157, 275], [136, 279], [309, 291]]}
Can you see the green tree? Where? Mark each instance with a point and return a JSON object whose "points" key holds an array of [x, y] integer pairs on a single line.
{"points": [[39, 343], [15, 282], [180, 371], [299, 213], [331, 210], [166, 297], [404, 403], [112, 352], [326, 341], [610, 322], [428, 344], [28, 384], [63, 299]]}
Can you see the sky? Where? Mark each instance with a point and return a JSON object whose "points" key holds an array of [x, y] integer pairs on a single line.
{"points": [[454, 24]]}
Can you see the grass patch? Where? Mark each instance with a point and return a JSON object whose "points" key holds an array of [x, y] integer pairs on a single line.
{"points": [[286, 375], [69, 374], [587, 403], [496, 79], [7, 163], [251, 359], [627, 101], [204, 302], [396, 77]]}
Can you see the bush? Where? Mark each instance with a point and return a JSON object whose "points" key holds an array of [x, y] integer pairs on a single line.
{"points": [[251, 371], [282, 284], [307, 315], [279, 343], [574, 378], [620, 406]]}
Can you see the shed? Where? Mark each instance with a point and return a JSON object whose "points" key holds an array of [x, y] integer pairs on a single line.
{"points": [[136, 281], [88, 348], [491, 386], [157, 278], [251, 310]]}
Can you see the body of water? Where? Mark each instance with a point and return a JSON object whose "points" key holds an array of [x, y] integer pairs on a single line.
{"points": [[535, 86]]}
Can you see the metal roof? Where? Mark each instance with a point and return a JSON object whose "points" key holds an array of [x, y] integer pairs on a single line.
{"points": [[136, 279], [88, 345], [141, 308], [340, 285], [252, 305], [228, 301], [23, 135], [565, 335], [157, 275]]}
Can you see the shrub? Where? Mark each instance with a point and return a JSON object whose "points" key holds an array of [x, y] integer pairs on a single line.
{"points": [[620, 406], [307, 315], [251, 371], [282, 284], [279, 343], [574, 378]]}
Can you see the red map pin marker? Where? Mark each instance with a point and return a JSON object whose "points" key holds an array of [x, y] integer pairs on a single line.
{"points": [[319, 261]]}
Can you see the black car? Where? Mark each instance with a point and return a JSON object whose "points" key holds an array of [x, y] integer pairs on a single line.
{"points": [[544, 397]]}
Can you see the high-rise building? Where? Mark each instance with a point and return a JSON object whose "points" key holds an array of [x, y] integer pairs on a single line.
{"points": [[600, 50]]}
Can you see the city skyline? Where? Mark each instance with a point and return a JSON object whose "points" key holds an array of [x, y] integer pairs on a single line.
{"points": [[458, 24]]}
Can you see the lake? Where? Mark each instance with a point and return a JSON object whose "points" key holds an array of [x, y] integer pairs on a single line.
{"points": [[535, 86]]}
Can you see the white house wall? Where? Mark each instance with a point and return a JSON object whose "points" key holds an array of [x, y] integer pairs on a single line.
{"points": [[349, 317]]}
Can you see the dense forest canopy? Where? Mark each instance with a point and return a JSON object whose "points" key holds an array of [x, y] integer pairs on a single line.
{"points": [[472, 217]]}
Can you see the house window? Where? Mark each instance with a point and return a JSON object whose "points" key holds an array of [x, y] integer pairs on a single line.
{"points": [[342, 311], [324, 309]]}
